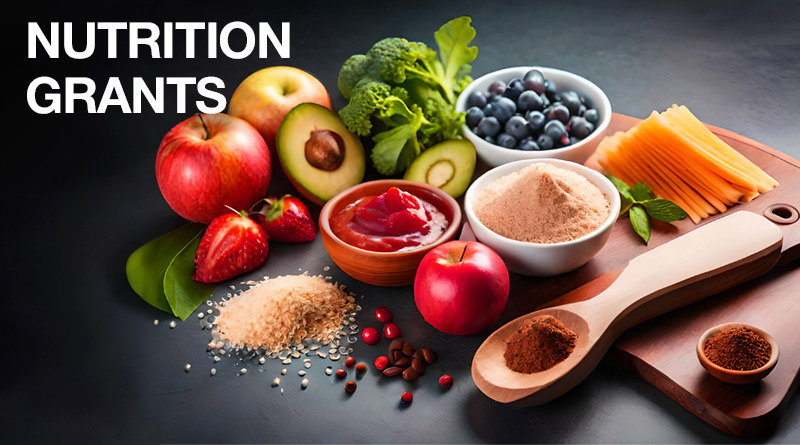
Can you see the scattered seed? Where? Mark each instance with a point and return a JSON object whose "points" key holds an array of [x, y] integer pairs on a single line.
{"points": [[283, 371], [304, 384], [322, 354], [307, 364], [334, 356], [172, 324], [301, 373], [295, 354], [155, 322], [187, 367], [201, 315], [276, 382], [213, 371], [243, 371], [328, 370], [262, 360], [287, 361], [216, 358]]}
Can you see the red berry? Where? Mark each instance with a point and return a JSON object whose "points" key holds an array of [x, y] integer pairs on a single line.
{"points": [[446, 381], [349, 362], [350, 387], [407, 397], [383, 315], [341, 373], [361, 368], [391, 330], [371, 336], [381, 362]]}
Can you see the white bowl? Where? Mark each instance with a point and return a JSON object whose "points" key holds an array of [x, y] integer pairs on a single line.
{"points": [[543, 259], [494, 155]]}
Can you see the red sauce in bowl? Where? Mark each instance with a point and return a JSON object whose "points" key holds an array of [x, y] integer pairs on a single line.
{"points": [[391, 222]]}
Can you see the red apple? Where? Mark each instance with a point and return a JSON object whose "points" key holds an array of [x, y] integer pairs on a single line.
{"points": [[210, 161], [461, 287], [265, 97]]}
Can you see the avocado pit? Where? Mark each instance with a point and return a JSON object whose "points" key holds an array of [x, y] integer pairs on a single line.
{"points": [[325, 149]]}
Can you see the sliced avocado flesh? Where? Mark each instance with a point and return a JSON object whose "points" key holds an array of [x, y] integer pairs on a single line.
{"points": [[448, 165], [318, 153]]}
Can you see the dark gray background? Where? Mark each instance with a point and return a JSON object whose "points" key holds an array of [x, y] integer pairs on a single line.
{"points": [[82, 358]]}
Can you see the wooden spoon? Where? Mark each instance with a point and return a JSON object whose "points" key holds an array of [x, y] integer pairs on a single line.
{"points": [[707, 260]]}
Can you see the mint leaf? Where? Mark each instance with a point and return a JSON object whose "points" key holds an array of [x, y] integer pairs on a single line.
{"points": [[641, 192], [621, 187], [640, 222], [663, 210]]}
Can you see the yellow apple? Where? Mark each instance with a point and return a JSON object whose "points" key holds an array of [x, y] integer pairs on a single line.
{"points": [[265, 97]]}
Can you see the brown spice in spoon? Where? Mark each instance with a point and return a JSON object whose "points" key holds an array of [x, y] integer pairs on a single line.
{"points": [[539, 345]]}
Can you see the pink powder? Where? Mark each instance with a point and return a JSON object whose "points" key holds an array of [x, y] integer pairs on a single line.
{"points": [[542, 203]]}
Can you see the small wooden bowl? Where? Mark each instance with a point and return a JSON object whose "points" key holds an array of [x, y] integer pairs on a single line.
{"points": [[730, 375], [385, 268]]}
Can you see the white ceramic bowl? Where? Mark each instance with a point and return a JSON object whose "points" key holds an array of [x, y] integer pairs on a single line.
{"points": [[543, 259], [494, 155]]}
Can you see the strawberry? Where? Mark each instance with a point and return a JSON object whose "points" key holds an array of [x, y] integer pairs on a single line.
{"points": [[232, 245], [286, 220]]}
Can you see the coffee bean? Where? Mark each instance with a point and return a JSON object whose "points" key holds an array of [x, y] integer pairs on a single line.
{"points": [[418, 365], [403, 362], [392, 371], [396, 345], [429, 355], [410, 375], [395, 356], [408, 350]]}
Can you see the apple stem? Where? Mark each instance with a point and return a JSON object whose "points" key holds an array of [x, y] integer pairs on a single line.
{"points": [[463, 253], [204, 124]]}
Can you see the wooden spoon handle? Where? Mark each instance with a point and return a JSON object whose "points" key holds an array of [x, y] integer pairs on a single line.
{"points": [[717, 248]]}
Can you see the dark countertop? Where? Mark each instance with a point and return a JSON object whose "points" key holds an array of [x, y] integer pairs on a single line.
{"points": [[84, 361]]}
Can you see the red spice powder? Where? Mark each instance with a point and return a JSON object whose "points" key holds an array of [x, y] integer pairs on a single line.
{"points": [[539, 345], [738, 348]]}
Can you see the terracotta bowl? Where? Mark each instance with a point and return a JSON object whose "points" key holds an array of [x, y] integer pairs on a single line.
{"points": [[385, 268], [730, 375]]}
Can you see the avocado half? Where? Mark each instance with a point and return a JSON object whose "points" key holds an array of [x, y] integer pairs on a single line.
{"points": [[448, 165], [319, 155]]}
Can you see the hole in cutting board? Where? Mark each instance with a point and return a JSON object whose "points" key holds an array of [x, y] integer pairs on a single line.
{"points": [[782, 213]]}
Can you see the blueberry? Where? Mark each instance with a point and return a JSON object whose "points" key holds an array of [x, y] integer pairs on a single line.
{"points": [[581, 128], [528, 144], [504, 108], [489, 126], [529, 100], [473, 116], [591, 115], [536, 121], [555, 129], [545, 100], [476, 99], [559, 113], [489, 109], [534, 81], [581, 110], [514, 89], [506, 140], [497, 88], [550, 90], [545, 142], [517, 127], [489, 139], [571, 101]]}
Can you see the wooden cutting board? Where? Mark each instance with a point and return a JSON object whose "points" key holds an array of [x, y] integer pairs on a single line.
{"points": [[662, 350]]}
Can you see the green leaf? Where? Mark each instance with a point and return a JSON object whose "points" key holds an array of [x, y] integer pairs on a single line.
{"points": [[663, 210], [183, 293], [640, 222], [147, 267], [641, 192], [453, 39], [622, 188]]}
